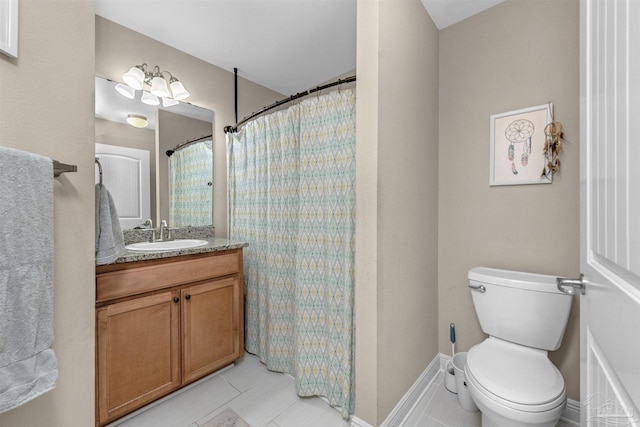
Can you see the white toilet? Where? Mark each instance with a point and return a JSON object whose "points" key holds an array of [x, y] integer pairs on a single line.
{"points": [[509, 375]]}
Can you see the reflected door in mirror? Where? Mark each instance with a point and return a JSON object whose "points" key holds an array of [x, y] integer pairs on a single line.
{"points": [[125, 173]]}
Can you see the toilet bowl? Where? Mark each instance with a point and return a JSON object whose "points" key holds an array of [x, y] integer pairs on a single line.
{"points": [[510, 377]]}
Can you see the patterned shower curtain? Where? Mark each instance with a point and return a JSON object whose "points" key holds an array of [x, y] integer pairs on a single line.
{"points": [[291, 177], [190, 185]]}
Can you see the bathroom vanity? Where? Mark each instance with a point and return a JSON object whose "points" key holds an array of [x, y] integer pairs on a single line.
{"points": [[164, 320]]}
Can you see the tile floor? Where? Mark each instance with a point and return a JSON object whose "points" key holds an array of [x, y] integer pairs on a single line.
{"points": [[262, 398], [268, 399]]}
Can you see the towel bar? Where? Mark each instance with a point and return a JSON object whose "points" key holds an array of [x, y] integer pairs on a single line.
{"points": [[60, 168], [99, 168]]}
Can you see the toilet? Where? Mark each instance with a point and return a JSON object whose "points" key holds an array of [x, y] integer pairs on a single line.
{"points": [[509, 375]]}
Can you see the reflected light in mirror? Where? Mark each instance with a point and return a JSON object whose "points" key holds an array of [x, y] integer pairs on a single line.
{"points": [[149, 99], [169, 102], [126, 91], [137, 121]]}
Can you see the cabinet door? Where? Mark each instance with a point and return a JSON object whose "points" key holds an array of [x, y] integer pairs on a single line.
{"points": [[138, 350], [211, 317]]}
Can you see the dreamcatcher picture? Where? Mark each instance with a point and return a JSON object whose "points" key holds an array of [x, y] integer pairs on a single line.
{"points": [[517, 146]]}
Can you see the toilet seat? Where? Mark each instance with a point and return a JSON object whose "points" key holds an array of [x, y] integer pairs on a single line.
{"points": [[515, 376]]}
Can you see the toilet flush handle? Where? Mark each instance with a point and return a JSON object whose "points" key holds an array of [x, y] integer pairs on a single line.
{"points": [[572, 284], [479, 288]]}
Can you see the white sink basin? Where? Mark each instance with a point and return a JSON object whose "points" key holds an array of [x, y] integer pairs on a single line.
{"points": [[172, 245]]}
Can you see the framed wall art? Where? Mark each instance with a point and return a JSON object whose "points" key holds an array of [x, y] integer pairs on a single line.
{"points": [[9, 27], [517, 146]]}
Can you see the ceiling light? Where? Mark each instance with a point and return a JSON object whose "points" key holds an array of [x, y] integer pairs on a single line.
{"points": [[149, 98], [137, 121], [140, 75], [126, 91]]}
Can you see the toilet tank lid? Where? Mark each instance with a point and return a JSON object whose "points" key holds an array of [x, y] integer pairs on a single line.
{"points": [[516, 279]]}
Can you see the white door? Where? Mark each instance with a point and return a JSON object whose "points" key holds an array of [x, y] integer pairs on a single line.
{"points": [[125, 173], [610, 212]]}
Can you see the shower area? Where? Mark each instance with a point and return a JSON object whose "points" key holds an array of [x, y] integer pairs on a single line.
{"points": [[291, 197], [190, 184]]}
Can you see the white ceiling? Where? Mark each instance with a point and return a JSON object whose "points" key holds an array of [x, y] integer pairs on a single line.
{"points": [[285, 45], [449, 12]]}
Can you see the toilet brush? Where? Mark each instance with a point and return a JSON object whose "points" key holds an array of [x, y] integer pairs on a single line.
{"points": [[452, 338], [449, 379]]}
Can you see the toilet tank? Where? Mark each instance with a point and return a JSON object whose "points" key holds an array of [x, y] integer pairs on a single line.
{"points": [[523, 308]]}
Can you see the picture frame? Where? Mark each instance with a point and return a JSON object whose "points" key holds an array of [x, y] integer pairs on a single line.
{"points": [[516, 146], [9, 28]]}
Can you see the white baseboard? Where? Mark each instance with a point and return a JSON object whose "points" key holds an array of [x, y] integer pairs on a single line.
{"points": [[412, 396], [358, 422], [571, 413]]}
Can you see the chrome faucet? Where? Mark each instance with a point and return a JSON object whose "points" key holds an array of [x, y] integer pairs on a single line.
{"points": [[163, 225], [149, 224]]}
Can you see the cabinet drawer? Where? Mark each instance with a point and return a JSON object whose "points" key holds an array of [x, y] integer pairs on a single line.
{"points": [[133, 281]]}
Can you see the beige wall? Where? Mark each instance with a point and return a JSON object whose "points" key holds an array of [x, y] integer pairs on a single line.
{"points": [[46, 107], [397, 187], [518, 54], [123, 135], [118, 48]]}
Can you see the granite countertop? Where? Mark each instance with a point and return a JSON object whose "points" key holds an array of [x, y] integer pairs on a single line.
{"points": [[206, 232], [215, 244]]}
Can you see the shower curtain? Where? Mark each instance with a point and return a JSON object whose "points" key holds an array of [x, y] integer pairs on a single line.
{"points": [[291, 178], [190, 185]]}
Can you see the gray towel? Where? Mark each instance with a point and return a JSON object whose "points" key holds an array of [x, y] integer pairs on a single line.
{"points": [[109, 238], [28, 366]]}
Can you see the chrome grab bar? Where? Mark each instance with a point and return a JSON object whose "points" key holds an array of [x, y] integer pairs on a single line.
{"points": [[479, 288]]}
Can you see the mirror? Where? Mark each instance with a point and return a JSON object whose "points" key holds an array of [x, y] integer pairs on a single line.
{"points": [[181, 185]]}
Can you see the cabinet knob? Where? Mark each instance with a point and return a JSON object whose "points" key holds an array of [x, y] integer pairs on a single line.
{"points": [[176, 299], [188, 297]]}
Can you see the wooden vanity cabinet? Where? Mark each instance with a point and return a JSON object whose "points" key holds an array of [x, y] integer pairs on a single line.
{"points": [[210, 328], [157, 331]]}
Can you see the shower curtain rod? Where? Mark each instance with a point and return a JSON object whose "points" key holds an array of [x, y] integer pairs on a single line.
{"points": [[232, 129], [184, 144]]}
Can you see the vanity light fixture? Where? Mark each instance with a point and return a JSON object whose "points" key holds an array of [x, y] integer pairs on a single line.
{"points": [[126, 91], [140, 75], [137, 121]]}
